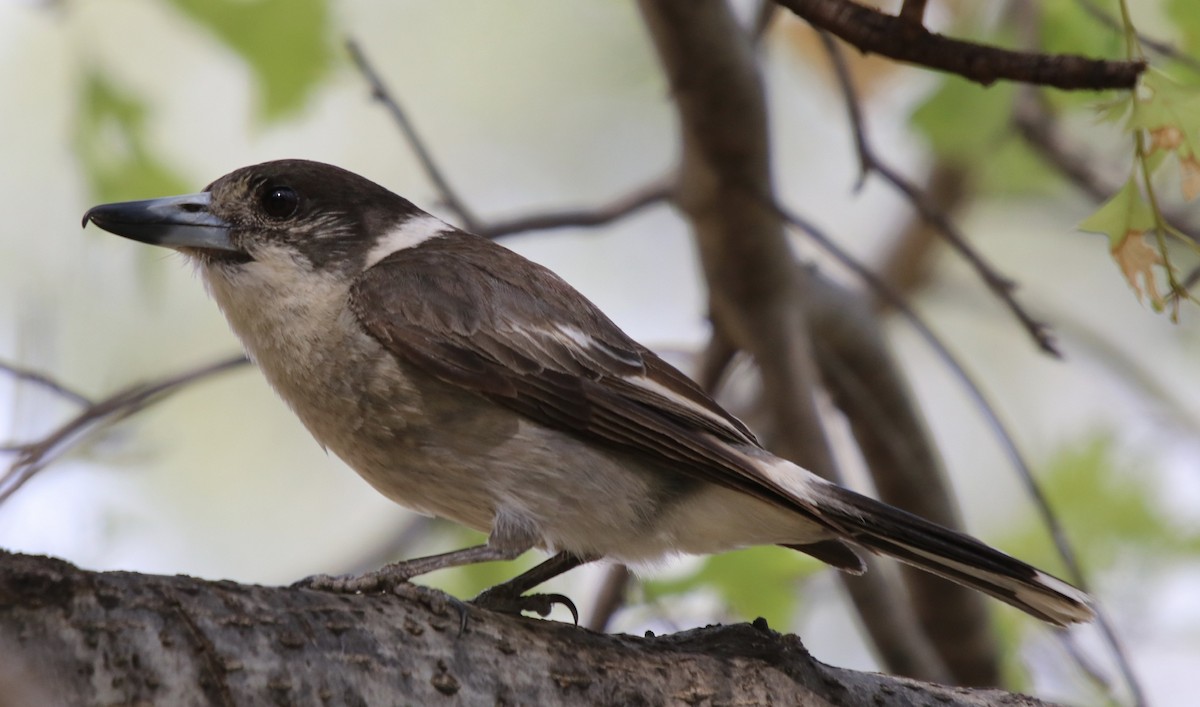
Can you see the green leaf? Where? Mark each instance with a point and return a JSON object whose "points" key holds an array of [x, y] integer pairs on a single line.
{"points": [[964, 121], [1066, 27], [110, 139], [1114, 110], [1016, 169], [758, 581], [1125, 211], [1107, 506], [1185, 19], [286, 43]]}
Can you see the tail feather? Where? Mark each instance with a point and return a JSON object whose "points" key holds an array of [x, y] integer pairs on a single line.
{"points": [[884, 529]]}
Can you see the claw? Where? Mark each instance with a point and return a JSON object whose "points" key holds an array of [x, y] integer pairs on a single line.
{"points": [[463, 612], [540, 604]]}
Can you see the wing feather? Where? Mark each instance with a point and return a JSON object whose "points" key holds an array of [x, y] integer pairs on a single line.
{"points": [[451, 307]]}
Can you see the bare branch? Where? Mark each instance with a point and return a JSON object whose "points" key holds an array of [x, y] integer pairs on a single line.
{"points": [[1001, 286], [1049, 518], [913, 11], [874, 32], [44, 381], [1036, 126], [652, 193], [35, 456], [611, 598], [725, 192], [380, 92]]}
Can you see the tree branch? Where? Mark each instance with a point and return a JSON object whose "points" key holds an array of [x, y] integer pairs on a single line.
{"points": [[380, 92], [44, 381], [32, 457], [754, 297], [1000, 285], [654, 192], [1042, 504], [124, 638], [874, 32]]}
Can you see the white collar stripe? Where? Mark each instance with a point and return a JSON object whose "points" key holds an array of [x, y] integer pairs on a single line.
{"points": [[409, 233]]}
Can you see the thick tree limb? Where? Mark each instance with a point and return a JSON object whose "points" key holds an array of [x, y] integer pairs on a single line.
{"points": [[899, 38], [868, 387], [71, 637], [725, 192]]}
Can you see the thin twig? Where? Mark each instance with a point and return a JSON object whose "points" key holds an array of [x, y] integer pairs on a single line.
{"points": [[1057, 533], [41, 379], [654, 192], [1035, 125], [875, 32], [611, 597], [1001, 286], [35, 456], [380, 92], [913, 11]]}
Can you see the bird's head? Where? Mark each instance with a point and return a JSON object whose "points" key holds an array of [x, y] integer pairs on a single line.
{"points": [[310, 215]]}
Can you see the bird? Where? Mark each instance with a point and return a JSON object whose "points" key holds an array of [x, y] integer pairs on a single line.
{"points": [[463, 381]]}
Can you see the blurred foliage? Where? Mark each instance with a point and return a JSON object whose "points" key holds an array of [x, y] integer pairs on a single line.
{"points": [[1185, 19], [1112, 513], [970, 124], [757, 581], [285, 43], [470, 580], [1110, 506], [999, 160], [1163, 118], [110, 140]]}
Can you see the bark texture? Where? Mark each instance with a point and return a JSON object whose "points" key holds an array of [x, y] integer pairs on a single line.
{"points": [[74, 637]]}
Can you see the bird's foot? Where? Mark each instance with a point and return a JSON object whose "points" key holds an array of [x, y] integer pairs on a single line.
{"points": [[503, 600], [384, 579]]}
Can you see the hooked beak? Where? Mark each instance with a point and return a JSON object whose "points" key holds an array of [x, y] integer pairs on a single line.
{"points": [[173, 221]]}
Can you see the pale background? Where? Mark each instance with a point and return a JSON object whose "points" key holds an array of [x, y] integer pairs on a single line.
{"points": [[526, 104]]}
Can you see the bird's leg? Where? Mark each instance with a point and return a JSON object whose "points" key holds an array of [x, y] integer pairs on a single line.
{"points": [[510, 596], [388, 576]]}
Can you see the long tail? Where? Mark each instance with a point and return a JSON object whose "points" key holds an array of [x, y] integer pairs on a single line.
{"points": [[884, 529]]}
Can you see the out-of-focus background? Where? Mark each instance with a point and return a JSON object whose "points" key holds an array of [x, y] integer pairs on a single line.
{"points": [[531, 105]]}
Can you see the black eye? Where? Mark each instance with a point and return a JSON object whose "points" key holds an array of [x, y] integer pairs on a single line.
{"points": [[280, 202]]}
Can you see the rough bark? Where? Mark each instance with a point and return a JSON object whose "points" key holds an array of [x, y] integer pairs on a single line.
{"points": [[74, 637], [756, 292]]}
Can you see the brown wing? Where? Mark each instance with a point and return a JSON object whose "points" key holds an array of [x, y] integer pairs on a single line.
{"points": [[454, 308]]}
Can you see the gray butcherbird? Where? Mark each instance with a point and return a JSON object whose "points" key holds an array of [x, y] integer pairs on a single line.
{"points": [[466, 382]]}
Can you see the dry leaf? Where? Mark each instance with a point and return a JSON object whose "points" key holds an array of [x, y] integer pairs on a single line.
{"points": [[1167, 137], [1190, 176], [1137, 259]]}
